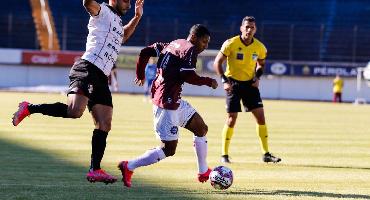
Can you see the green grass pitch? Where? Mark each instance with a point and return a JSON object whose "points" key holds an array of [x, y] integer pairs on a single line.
{"points": [[325, 149]]}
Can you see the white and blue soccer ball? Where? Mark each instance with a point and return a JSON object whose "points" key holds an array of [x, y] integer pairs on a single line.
{"points": [[221, 177]]}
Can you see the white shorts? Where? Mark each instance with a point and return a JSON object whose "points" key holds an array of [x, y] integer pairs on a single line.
{"points": [[166, 122]]}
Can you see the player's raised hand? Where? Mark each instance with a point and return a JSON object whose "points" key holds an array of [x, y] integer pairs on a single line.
{"points": [[92, 7], [139, 82], [139, 4]]}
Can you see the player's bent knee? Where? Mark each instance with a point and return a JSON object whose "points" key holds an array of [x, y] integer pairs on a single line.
{"points": [[202, 131], [75, 114], [169, 152], [261, 121], [231, 122], [104, 126], [200, 134], [205, 129]]}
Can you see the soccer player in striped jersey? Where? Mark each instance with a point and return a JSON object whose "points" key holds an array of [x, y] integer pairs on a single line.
{"points": [[245, 56], [89, 77]]}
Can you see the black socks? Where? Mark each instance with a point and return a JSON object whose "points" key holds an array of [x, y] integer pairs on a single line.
{"points": [[55, 110], [98, 143]]}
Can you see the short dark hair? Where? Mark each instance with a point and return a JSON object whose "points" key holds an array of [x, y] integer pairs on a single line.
{"points": [[248, 19], [199, 30]]}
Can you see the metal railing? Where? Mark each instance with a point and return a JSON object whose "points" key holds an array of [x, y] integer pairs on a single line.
{"points": [[47, 22]]}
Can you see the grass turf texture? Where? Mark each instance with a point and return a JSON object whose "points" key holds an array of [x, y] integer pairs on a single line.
{"points": [[324, 147]]}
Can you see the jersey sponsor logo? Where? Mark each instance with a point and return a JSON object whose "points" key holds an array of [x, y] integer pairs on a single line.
{"points": [[119, 21], [113, 47], [174, 130], [109, 57], [239, 56], [254, 56], [118, 31]]}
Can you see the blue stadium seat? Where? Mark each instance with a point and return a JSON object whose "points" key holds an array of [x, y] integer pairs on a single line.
{"points": [[16, 25]]}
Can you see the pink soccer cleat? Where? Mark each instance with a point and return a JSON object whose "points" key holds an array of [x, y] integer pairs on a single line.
{"points": [[21, 113], [126, 173], [205, 176], [100, 175]]}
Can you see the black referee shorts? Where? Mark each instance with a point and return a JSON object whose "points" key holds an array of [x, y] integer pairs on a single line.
{"points": [[244, 91], [93, 83]]}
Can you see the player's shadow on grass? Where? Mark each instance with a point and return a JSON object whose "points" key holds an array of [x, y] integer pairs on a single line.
{"points": [[28, 173], [293, 193]]}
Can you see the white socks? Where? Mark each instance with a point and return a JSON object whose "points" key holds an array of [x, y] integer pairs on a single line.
{"points": [[155, 155], [201, 149], [149, 157]]}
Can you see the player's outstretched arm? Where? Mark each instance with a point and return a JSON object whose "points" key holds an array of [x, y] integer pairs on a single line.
{"points": [[92, 7], [130, 27], [144, 56], [193, 78]]}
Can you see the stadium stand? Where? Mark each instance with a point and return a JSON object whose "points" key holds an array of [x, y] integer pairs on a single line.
{"points": [[16, 25], [313, 30]]}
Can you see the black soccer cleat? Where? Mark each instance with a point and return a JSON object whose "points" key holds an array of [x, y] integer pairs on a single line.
{"points": [[268, 157], [225, 159]]}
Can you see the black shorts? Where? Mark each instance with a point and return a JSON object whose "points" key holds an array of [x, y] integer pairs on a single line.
{"points": [[244, 91], [88, 79]]}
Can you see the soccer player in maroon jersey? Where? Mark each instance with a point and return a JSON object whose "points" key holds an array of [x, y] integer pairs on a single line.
{"points": [[176, 65]]}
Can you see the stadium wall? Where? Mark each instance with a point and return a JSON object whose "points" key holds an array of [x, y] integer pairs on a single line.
{"points": [[55, 79], [51, 76]]}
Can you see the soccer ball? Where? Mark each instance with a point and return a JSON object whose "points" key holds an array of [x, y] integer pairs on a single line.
{"points": [[221, 178]]}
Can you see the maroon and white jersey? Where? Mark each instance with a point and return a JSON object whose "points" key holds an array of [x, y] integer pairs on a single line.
{"points": [[176, 65]]}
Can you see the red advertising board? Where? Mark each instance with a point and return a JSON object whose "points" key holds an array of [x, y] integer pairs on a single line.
{"points": [[61, 58]]}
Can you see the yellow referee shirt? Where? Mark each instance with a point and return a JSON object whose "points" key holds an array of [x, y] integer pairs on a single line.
{"points": [[337, 85], [242, 59]]}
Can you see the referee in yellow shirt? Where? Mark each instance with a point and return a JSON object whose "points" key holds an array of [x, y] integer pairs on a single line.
{"points": [[337, 89], [245, 57]]}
